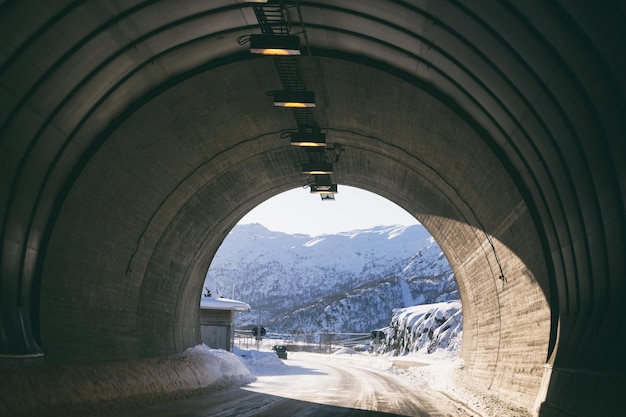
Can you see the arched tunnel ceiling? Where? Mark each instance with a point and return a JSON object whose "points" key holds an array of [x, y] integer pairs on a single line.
{"points": [[134, 135], [201, 159]]}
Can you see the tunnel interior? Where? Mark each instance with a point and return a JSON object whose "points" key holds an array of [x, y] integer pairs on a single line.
{"points": [[134, 137], [149, 271]]}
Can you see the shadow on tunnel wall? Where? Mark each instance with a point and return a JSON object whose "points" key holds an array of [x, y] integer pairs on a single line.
{"points": [[589, 394]]}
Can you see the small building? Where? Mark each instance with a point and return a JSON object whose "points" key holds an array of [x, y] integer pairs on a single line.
{"points": [[216, 321]]}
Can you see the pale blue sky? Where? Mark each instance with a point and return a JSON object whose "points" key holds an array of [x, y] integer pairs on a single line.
{"points": [[299, 211]]}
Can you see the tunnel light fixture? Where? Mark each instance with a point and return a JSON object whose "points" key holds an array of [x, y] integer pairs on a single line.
{"points": [[294, 99], [317, 168], [280, 45], [322, 184], [308, 139], [324, 189]]}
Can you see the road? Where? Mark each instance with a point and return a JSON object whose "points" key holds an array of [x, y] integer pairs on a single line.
{"points": [[314, 385]]}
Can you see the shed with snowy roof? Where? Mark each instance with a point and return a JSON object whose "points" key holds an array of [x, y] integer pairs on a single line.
{"points": [[216, 321]]}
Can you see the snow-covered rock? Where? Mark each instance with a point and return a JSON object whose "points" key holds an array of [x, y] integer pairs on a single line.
{"points": [[424, 328]]}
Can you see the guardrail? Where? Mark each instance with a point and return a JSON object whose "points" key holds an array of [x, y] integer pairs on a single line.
{"points": [[322, 342]]}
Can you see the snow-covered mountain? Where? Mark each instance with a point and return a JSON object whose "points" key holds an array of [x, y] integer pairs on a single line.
{"points": [[346, 282]]}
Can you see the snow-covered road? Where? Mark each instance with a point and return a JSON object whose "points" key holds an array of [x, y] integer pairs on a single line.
{"points": [[317, 385], [345, 385]]}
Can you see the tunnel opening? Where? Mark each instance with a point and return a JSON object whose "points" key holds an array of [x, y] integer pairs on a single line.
{"points": [[313, 271]]}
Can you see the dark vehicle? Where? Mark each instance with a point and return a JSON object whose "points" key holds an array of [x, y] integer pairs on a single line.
{"points": [[281, 351]]}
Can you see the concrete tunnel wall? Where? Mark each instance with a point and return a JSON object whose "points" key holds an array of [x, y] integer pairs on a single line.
{"points": [[132, 241], [533, 93]]}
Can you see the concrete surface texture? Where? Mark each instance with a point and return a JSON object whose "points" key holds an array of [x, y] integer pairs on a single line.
{"points": [[134, 136]]}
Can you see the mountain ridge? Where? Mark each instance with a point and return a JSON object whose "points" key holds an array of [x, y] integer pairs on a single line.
{"points": [[345, 282]]}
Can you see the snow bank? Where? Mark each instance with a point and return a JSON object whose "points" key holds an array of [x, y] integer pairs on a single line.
{"points": [[346, 351], [105, 388], [260, 363], [444, 373]]}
